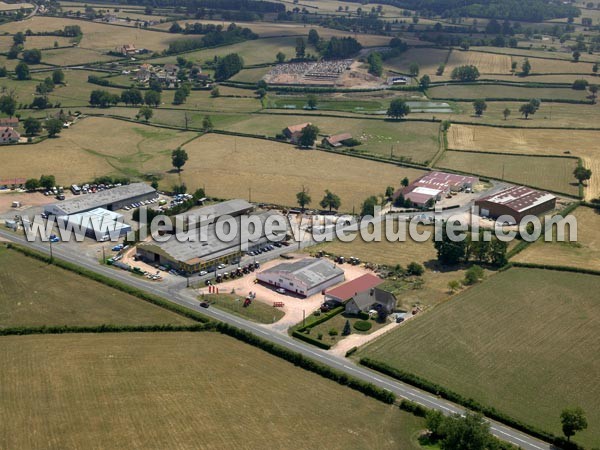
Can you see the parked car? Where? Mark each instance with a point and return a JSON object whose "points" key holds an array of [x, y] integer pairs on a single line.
{"points": [[280, 290], [204, 304], [203, 272]]}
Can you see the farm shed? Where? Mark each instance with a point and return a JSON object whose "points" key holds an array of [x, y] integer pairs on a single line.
{"points": [[111, 199], [433, 185], [198, 217], [516, 202], [306, 277], [337, 140]]}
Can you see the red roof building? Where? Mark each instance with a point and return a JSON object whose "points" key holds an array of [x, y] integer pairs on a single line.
{"points": [[348, 290], [516, 202]]}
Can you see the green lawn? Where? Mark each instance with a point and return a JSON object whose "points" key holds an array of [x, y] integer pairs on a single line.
{"points": [[338, 323], [257, 311], [491, 91], [33, 293], [525, 342]]}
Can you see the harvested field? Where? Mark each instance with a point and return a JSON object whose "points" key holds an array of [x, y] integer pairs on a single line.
{"points": [[158, 390], [32, 293], [12, 6], [522, 332], [546, 66], [39, 42], [251, 75], [521, 53], [492, 91], [97, 36], [555, 174], [531, 141], [75, 55], [230, 166], [585, 253], [94, 147], [487, 63]]}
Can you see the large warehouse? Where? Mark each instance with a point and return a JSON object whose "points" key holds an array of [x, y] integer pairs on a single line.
{"points": [[305, 277], [201, 254], [198, 217], [99, 224], [111, 199], [516, 202]]}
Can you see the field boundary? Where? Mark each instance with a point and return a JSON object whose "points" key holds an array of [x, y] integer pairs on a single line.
{"points": [[105, 328], [489, 411]]}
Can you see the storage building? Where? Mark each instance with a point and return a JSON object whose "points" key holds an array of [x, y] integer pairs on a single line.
{"points": [[111, 199], [305, 277], [99, 224], [516, 202]]}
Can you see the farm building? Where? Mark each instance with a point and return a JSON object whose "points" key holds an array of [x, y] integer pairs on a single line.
{"points": [[12, 183], [111, 199], [305, 277], [127, 50], [201, 254], [346, 291], [9, 122], [433, 185], [8, 135], [99, 224], [372, 299], [199, 217], [337, 140], [516, 202], [293, 132]]}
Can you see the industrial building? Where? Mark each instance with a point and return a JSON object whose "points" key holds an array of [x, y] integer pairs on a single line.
{"points": [[199, 217], [516, 202], [346, 291], [305, 277], [207, 251], [432, 186], [99, 224], [111, 199]]}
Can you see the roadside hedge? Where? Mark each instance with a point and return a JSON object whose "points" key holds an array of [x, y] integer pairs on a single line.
{"points": [[150, 298], [469, 403], [300, 360], [310, 340], [557, 268], [413, 408], [105, 328]]}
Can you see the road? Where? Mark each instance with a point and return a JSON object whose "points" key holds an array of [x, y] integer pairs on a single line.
{"points": [[187, 299]]}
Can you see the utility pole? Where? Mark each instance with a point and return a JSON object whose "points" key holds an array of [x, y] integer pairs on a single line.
{"points": [[51, 256], [103, 256], [303, 317]]}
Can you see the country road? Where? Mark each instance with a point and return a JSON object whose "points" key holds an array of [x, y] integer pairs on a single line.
{"points": [[185, 298]]}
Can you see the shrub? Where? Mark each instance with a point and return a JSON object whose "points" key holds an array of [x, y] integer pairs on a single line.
{"points": [[362, 325]]}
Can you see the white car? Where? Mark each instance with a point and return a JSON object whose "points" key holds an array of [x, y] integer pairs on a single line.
{"points": [[280, 290], [221, 266], [203, 272]]}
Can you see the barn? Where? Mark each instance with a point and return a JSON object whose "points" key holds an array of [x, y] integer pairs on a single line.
{"points": [[515, 202], [305, 277]]}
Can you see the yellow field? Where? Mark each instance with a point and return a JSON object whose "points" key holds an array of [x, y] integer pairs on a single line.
{"points": [[229, 167], [584, 253], [12, 6], [97, 36], [36, 42], [555, 174], [540, 66], [94, 147], [487, 63], [532, 141], [183, 391]]}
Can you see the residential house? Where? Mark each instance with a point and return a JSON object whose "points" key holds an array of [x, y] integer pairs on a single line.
{"points": [[8, 135], [372, 299]]}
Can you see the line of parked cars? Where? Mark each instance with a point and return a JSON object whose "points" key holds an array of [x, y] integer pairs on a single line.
{"points": [[142, 203], [268, 248]]}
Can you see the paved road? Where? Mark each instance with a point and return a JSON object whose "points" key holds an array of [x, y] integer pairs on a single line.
{"points": [[187, 300]]}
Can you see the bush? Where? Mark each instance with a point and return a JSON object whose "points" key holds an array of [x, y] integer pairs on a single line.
{"points": [[362, 325], [413, 408]]}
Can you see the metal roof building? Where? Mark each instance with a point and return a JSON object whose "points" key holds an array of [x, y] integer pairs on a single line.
{"points": [[516, 202], [352, 288], [99, 224], [201, 254], [305, 277], [198, 217], [111, 199]]}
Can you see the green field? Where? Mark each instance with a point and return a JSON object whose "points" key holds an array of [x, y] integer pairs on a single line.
{"points": [[415, 141], [257, 311], [525, 342], [491, 91], [32, 293], [178, 390], [555, 174]]}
